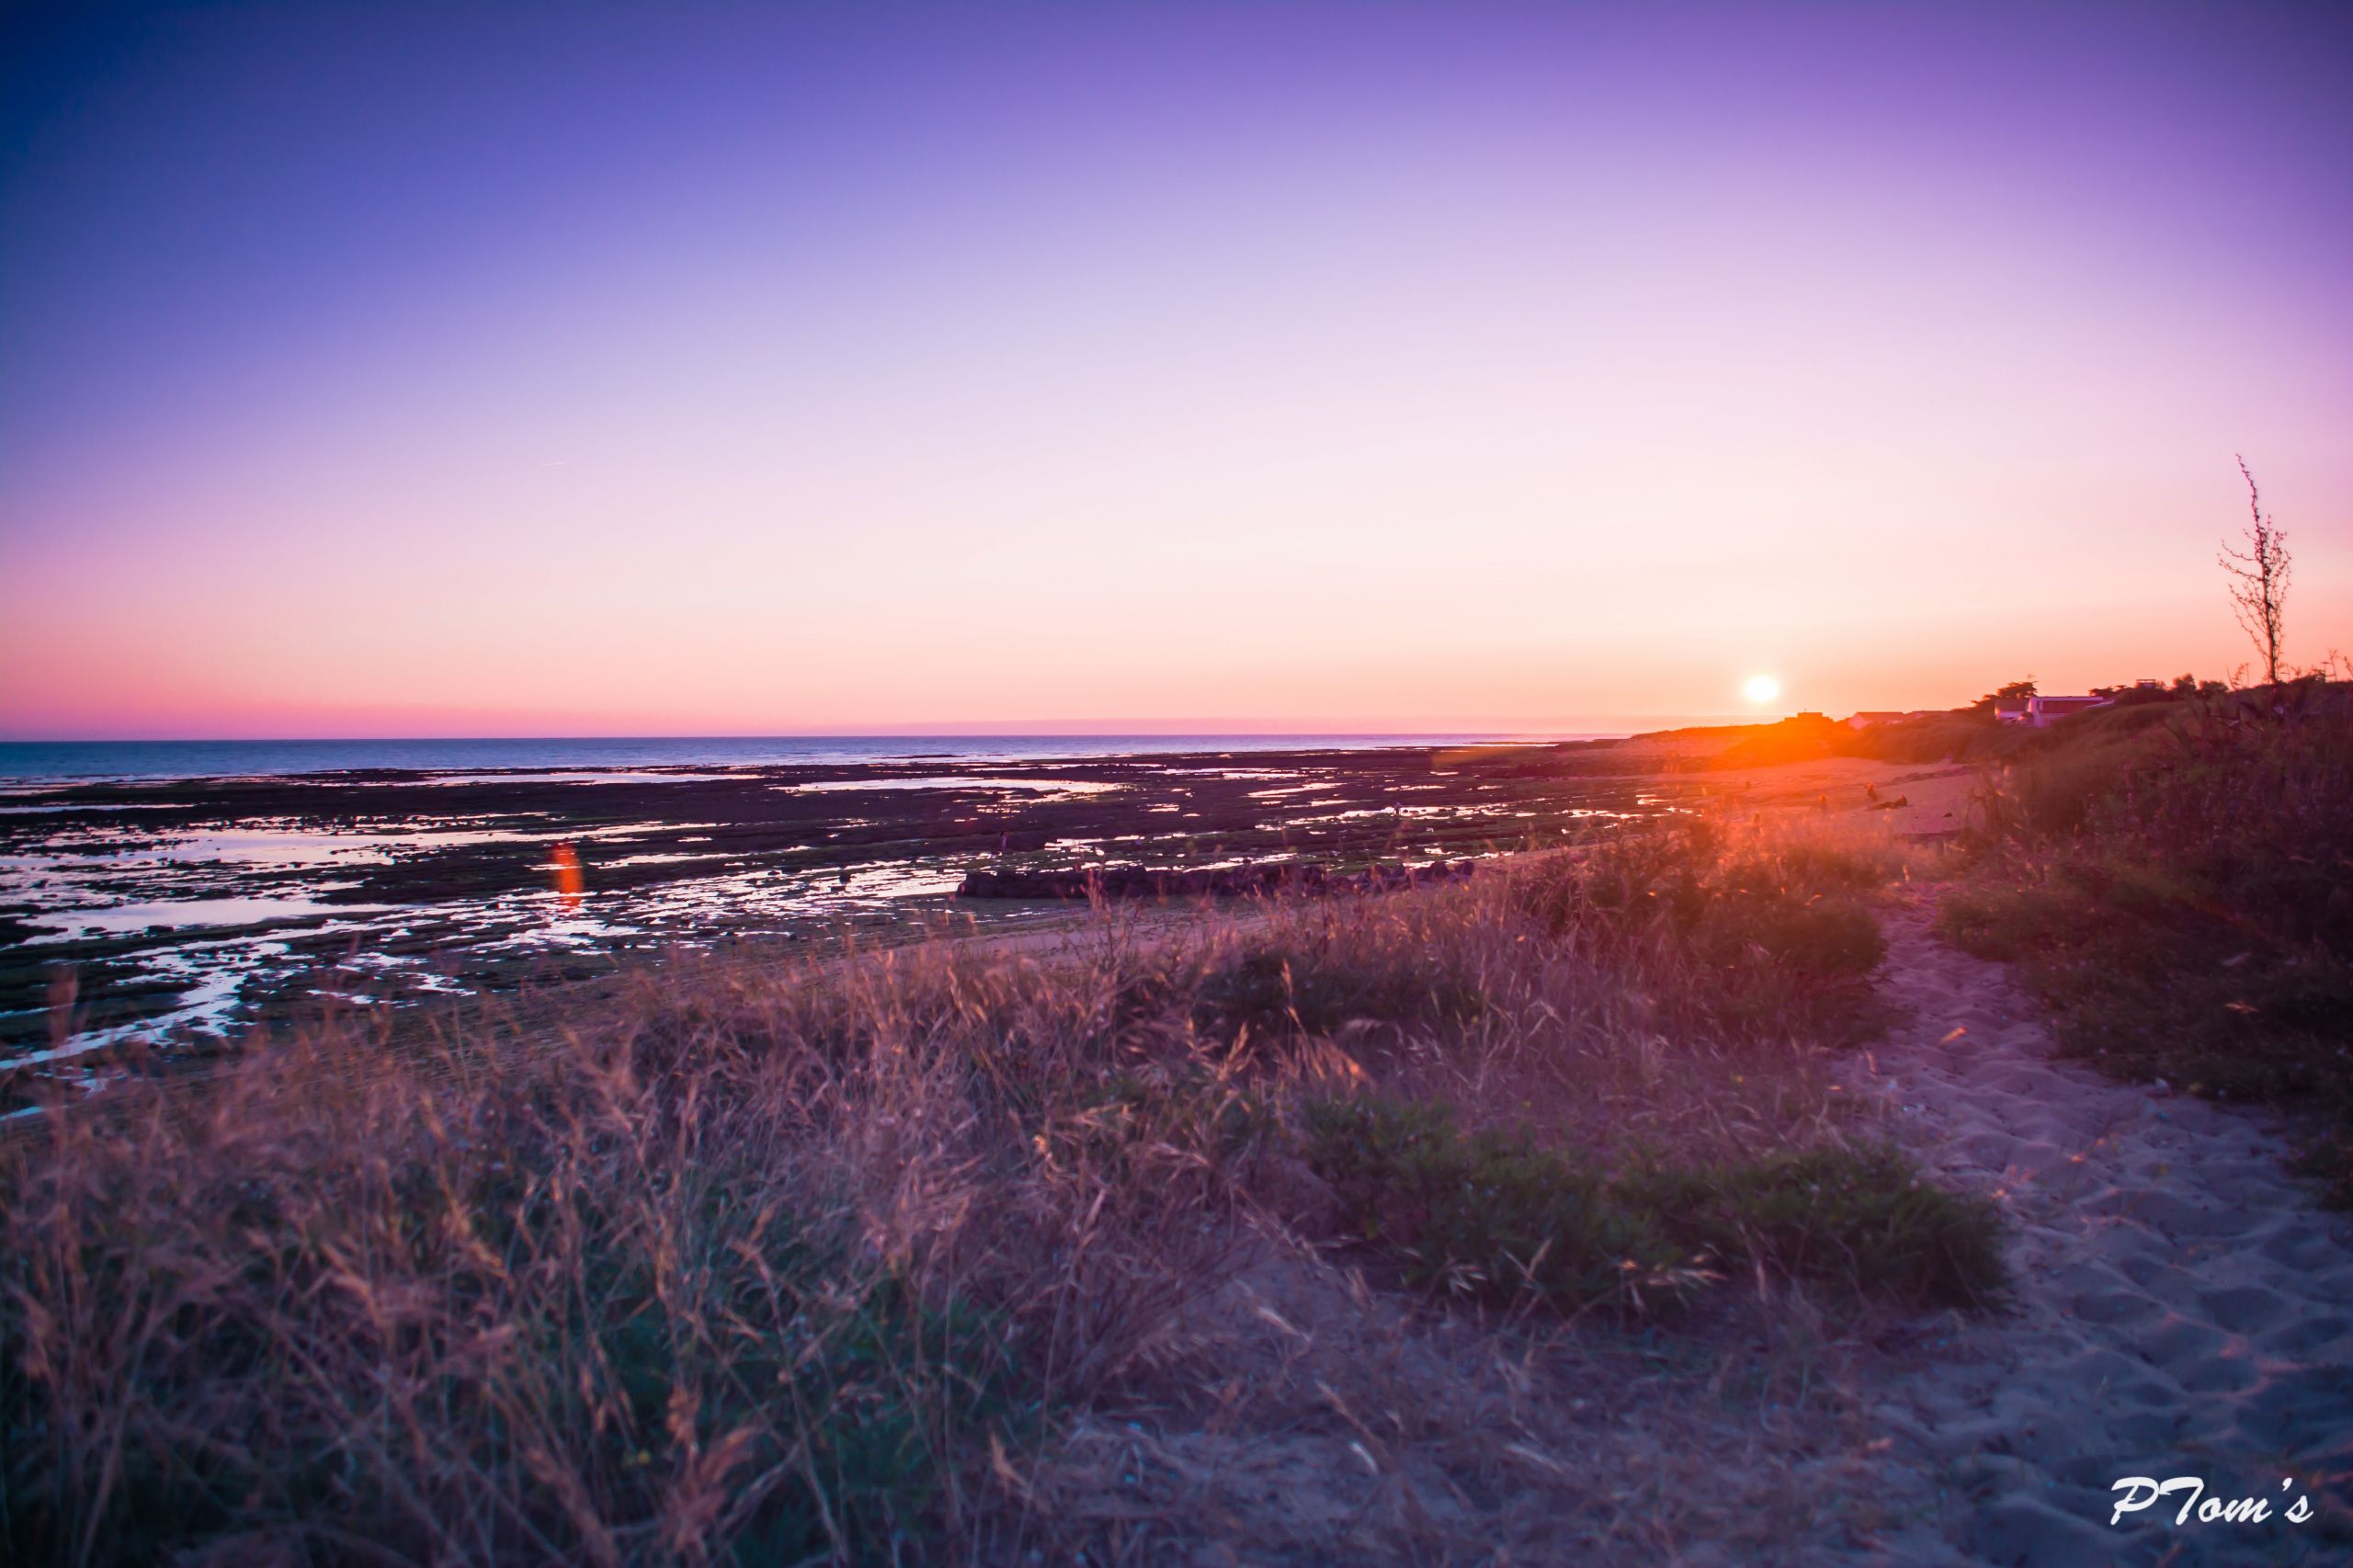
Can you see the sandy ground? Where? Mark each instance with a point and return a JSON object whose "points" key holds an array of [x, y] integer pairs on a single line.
{"points": [[2183, 1307], [1917, 798]]}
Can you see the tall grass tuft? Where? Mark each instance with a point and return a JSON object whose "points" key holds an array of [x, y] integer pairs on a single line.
{"points": [[1764, 922]]}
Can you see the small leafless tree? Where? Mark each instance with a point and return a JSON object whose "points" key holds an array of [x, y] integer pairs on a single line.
{"points": [[2259, 579]]}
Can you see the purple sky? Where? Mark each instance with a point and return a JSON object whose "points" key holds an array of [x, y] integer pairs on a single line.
{"points": [[593, 369]]}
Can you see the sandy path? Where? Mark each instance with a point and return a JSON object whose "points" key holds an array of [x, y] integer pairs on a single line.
{"points": [[2183, 1307]]}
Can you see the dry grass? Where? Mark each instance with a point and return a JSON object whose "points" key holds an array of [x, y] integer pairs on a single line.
{"points": [[877, 1259]]}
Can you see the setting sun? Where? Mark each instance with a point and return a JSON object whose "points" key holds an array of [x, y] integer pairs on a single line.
{"points": [[1762, 689]]}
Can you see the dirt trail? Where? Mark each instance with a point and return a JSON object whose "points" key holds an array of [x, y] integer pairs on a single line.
{"points": [[2183, 1306]]}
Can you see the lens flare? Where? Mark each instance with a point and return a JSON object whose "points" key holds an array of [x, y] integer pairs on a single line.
{"points": [[565, 862]]}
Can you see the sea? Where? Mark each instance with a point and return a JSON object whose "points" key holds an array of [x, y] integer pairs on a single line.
{"points": [[49, 762]]}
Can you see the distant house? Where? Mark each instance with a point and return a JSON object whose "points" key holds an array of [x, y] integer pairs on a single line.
{"points": [[1870, 717], [2037, 712]]}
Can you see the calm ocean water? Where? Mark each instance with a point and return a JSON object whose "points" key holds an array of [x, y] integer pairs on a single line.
{"points": [[30, 762]]}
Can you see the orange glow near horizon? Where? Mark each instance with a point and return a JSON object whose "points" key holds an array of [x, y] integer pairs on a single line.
{"points": [[674, 648]]}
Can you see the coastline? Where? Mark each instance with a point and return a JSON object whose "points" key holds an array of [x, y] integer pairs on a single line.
{"points": [[194, 906]]}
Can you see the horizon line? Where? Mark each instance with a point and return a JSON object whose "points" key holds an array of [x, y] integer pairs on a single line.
{"points": [[1073, 729]]}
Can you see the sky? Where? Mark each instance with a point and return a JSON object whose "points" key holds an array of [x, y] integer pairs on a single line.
{"points": [[694, 369]]}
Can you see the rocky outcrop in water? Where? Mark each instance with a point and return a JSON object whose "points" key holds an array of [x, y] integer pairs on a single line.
{"points": [[1219, 881]]}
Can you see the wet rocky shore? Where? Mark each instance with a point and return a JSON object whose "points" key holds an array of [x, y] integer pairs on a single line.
{"points": [[201, 905], [1227, 882]]}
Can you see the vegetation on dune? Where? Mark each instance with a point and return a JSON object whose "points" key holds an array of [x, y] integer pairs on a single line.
{"points": [[1489, 1213], [2178, 883], [1857, 1219], [816, 1258], [1767, 932], [1493, 1213], [1323, 981]]}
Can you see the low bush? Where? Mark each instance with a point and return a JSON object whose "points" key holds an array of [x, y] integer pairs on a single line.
{"points": [[1863, 1221], [1483, 1213], [1775, 933], [1320, 987], [1492, 1214]]}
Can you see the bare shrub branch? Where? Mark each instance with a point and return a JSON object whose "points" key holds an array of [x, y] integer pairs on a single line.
{"points": [[2259, 579]]}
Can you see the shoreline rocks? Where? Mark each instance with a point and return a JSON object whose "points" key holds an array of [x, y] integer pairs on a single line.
{"points": [[1219, 881]]}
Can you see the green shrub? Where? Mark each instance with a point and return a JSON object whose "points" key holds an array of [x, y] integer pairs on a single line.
{"points": [[1491, 1214], [1995, 923], [1485, 1213], [1776, 939], [1814, 939], [1318, 988], [1860, 1219]]}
